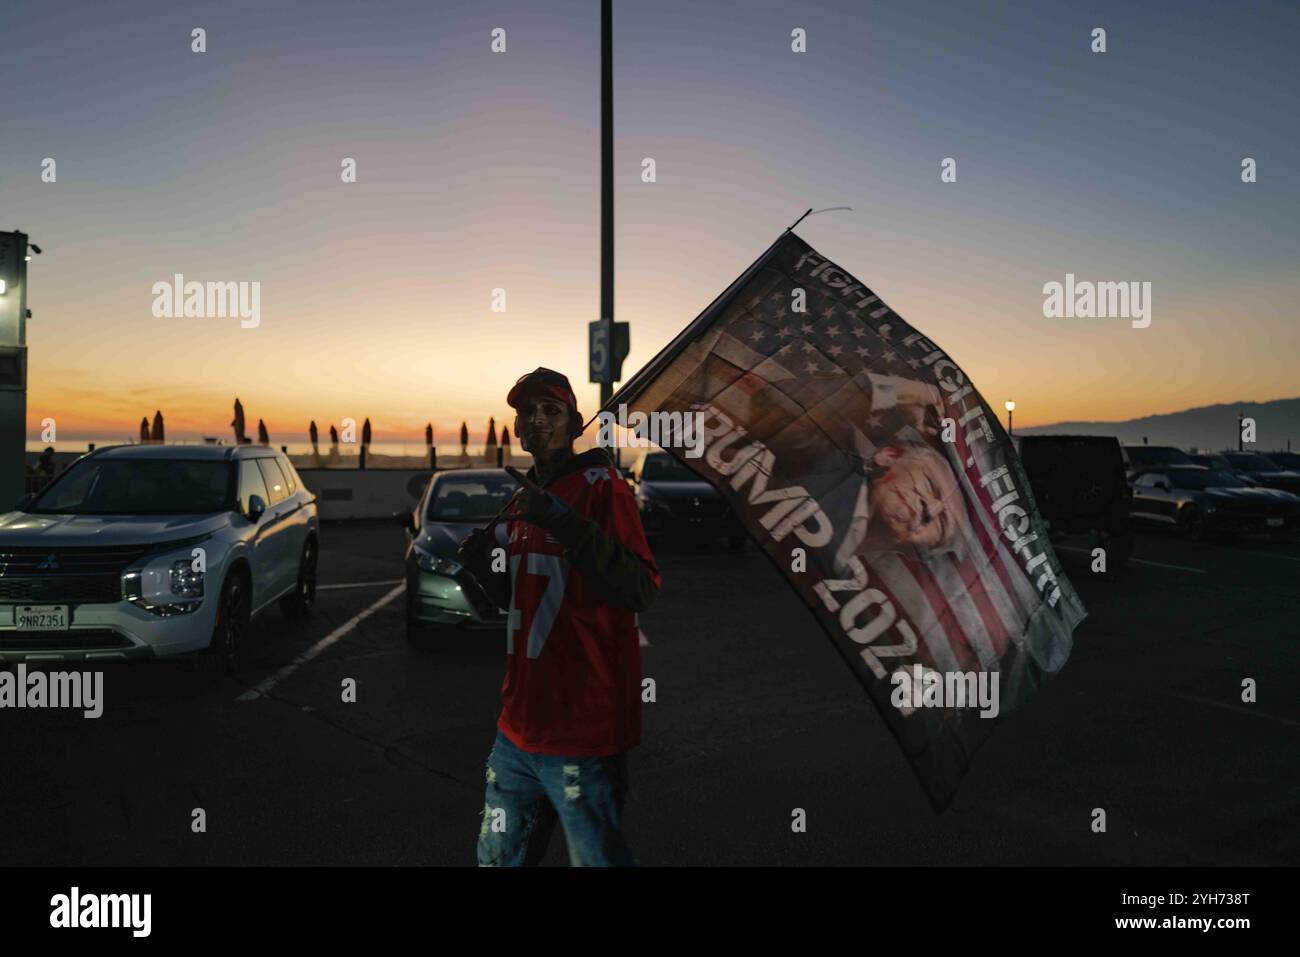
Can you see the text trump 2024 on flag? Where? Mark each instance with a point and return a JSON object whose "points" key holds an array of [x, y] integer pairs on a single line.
{"points": [[824, 428]]}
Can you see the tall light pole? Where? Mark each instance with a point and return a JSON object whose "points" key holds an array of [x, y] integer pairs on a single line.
{"points": [[607, 340], [1010, 407], [607, 183]]}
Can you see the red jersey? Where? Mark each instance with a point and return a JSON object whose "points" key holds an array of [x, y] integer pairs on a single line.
{"points": [[573, 672]]}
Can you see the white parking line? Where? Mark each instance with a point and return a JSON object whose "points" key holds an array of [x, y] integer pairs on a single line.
{"points": [[1285, 558], [266, 684], [393, 581], [1178, 568], [1135, 561], [1238, 709]]}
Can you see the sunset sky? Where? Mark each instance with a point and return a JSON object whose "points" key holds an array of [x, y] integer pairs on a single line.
{"points": [[479, 170]]}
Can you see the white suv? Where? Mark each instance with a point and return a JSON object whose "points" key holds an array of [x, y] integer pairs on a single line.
{"points": [[156, 550]]}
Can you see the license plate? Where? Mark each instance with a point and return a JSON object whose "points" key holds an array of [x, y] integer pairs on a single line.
{"points": [[41, 617], [1274, 522]]}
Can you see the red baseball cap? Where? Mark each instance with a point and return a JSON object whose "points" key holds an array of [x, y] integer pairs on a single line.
{"points": [[547, 382]]}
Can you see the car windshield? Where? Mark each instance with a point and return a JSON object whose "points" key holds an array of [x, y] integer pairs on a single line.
{"points": [[457, 499], [665, 468], [1251, 462], [1199, 479], [138, 487]]}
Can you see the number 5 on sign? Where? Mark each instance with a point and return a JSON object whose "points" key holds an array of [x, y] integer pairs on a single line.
{"points": [[605, 355], [598, 351]]}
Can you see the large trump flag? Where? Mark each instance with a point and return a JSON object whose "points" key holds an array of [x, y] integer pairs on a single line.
{"points": [[863, 461]]}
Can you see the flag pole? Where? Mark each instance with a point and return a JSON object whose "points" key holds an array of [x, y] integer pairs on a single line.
{"points": [[806, 214], [667, 352], [607, 185], [631, 386]]}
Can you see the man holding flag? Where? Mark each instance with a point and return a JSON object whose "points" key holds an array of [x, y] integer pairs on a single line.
{"points": [[579, 570]]}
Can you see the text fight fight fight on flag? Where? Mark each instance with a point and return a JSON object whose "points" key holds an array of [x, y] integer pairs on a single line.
{"points": [[865, 464]]}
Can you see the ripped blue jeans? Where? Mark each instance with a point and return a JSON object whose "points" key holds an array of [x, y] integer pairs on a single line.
{"points": [[526, 793]]}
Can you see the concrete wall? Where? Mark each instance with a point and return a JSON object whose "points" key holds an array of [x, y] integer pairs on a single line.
{"points": [[364, 493]]}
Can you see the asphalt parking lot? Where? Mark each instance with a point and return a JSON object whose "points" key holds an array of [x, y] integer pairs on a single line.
{"points": [[755, 716]]}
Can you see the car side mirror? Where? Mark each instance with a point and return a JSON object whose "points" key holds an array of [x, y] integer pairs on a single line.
{"points": [[23, 502], [256, 508], [405, 518]]}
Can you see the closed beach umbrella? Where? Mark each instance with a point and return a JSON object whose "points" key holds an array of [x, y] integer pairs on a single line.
{"points": [[428, 434], [311, 431], [144, 429], [365, 432], [263, 436], [490, 447], [238, 423], [464, 436], [158, 435], [334, 436]]}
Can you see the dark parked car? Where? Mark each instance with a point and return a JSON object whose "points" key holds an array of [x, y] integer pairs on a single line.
{"points": [[439, 593], [676, 503], [1079, 487], [1202, 501], [1287, 460], [1263, 471], [1211, 460], [1140, 457]]}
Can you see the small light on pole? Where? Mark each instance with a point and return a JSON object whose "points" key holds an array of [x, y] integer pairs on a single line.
{"points": [[1010, 407]]}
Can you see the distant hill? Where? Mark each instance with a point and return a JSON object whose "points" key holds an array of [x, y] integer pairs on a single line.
{"points": [[1209, 427]]}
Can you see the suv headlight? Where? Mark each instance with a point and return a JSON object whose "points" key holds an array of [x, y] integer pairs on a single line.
{"points": [[432, 563], [186, 582], [165, 588]]}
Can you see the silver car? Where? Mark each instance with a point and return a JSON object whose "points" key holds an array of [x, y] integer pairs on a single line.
{"points": [[156, 550], [438, 592]]}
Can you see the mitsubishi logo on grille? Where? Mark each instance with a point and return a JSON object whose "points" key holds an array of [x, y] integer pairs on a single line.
{"points": [[50, 564]]}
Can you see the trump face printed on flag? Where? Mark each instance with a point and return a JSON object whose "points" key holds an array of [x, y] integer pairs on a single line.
{"points": [[916, 500]]}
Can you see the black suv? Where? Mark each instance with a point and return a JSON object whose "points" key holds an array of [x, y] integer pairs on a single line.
{"points": [[1080, 489]]}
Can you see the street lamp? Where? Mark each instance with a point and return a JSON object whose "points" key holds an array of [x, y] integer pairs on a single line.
{"points": [[1010, 407]]}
